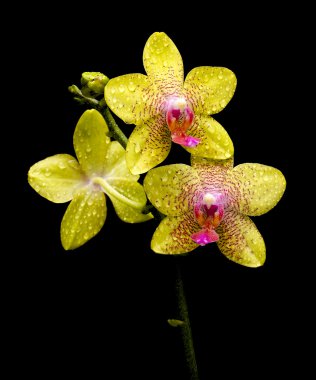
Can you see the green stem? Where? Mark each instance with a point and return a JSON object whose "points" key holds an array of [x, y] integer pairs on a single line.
{"points": [[185, 327], [101, 106], [117, 134]]}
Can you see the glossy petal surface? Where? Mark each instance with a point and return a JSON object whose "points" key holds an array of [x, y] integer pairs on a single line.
{"points": [[83, 219], [240, 240], [56, 178]]}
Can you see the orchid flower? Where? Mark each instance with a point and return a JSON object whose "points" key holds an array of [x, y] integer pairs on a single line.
{"points": [[211, 201], [100, 169], [166, 108]]}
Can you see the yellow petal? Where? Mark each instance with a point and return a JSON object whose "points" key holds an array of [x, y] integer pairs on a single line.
{"points": [[148, 145], [173, 235], [163, 62], [258, 187], [128, 198], [129, 214], [240, 240], [56, 178], [215, 141], [171, 188], [91, 142], [84, 218], [210, 88], [115, 163], [132, 98], [212, 173]]}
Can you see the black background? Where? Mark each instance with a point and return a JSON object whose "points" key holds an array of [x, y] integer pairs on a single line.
{"points": [[101, 310]]}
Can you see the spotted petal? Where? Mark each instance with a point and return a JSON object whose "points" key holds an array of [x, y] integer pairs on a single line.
{"points": [[83, 219], [171, 188], [215, 142], [212, 173], [173, 235], [210, 88], [240, 240], [259, 187], [56, 178], [162, 61], [91, 142], [131, 98], [148, 145]]}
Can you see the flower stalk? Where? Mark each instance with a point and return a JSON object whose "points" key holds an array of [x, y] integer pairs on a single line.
{"points": [[186, 327]]}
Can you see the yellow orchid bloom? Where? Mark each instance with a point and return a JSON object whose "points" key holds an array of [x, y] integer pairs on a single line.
{"points": [[100, 169], [211, 202], [166, 108]]}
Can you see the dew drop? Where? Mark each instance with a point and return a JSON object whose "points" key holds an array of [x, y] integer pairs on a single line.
{"points": [[158, 202], [137, 148], [223, 103], [220, 76], [206, 78], [88, 149], [121, 88], [131, 86]]}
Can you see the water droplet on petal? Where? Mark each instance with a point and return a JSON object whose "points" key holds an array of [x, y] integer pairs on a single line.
{"points": [[88, 149], [61, 165], [137, 148], [223, 103], [158, 202], [220, 76], [132, 86], [121, 88]]}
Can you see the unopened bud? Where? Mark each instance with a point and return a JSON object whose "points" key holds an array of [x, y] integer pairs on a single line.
{"points": [[94, 81]]}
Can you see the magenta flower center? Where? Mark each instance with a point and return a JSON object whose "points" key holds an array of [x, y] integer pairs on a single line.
{"points": [[208, 213], [180, 117]]}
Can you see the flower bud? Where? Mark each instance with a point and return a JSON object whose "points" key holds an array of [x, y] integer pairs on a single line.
{"points": [[94, 81]]}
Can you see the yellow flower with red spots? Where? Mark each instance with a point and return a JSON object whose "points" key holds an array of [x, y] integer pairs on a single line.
{"points": [[211, 201], [165, 107]]}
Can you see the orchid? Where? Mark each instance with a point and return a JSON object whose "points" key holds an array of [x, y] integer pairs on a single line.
{"points": [[100, 169], [166, 108], [211, 201]]}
